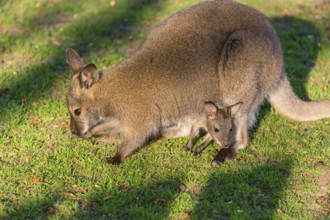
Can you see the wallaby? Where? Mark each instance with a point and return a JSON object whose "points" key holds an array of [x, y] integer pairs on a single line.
{"points": [[219, 51], [218, 125]]}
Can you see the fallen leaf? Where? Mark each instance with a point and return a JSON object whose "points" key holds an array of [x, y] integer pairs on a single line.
{"points": [[3, 91], [56, 86], [290, 151], [89, 205], [50, 211], [3, 195], [24, 159], [24, 102], [73, 159], [124, 187], [183, 188], [280, 211], [34, 120], [79, 189], [320, 164], [55, 42], [69, 194], [107, 197], [64, 78], [160, 201], [267, 129], [37, 180], [112, 4], [305, 128]]}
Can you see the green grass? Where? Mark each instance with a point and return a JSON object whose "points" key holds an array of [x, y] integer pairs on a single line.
{"points": [[44, 173]]}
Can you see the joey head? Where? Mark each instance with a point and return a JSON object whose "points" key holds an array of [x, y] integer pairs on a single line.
{"points": [[218, 123]]}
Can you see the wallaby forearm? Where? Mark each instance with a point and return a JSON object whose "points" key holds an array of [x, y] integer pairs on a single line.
{"points": [[108, 127]]}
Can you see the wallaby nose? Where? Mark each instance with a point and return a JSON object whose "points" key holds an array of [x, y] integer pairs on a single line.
{"points": [[74, 132]]}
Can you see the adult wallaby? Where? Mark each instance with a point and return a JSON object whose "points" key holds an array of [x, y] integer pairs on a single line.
{"points": [[219, 51], [218, 125]]}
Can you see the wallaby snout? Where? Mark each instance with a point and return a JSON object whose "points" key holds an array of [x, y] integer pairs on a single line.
{"points": [[74, 131], [225, 144]]}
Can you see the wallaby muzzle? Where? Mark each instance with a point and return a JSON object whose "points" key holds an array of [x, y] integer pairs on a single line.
{"points": [[74, 131]]}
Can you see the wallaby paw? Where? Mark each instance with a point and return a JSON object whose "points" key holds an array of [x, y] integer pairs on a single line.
{"points": [[215, 163], [197, 153], [223, 155], [187, 147], [88, 134], [113, 160]]}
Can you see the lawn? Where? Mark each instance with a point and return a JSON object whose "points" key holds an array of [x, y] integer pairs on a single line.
{"points": [[284, 173]]}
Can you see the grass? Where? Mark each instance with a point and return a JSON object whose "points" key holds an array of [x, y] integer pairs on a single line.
{"points": [[282, 174]]}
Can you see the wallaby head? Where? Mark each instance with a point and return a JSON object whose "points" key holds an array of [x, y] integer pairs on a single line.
{"points": [[83, 114], [220, 123]]}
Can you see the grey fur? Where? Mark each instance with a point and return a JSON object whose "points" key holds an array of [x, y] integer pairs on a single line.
{"points": [[219, 51]]}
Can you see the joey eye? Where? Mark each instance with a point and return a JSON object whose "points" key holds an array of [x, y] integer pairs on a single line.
{"points": [[216, 129], [77, 112]]}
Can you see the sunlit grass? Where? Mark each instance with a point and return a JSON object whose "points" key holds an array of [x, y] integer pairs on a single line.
{"points": [[44, 173]]}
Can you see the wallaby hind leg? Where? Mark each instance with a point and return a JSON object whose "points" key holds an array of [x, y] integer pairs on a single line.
{"points": [[241, 123], [130, 144], [207, 140]]}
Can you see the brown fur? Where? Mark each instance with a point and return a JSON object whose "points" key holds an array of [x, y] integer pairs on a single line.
{"points": [[218, 125], [218, 51]]}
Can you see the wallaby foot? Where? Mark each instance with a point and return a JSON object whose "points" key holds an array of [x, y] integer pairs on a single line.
{"points": [[197, 152], [128, 147], [188, 146], [88, 134], [116, 160], [200, 149], [223, 155]]}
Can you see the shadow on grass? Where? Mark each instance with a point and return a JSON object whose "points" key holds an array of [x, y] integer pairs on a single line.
{"points": [[252, 192], [249, 193], [92, 34], [299, 39], [150, 202]]}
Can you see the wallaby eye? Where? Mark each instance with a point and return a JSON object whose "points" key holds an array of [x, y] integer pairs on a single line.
{"points": [[77, 112], [231, 130], [216, 129]]}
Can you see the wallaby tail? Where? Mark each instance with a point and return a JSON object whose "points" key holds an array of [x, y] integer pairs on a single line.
{"points": [[287, 103]]}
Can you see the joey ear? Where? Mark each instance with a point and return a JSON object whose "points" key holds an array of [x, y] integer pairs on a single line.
{"points": [[234, 109], [74, 60], [210, 109], [89, 76]]}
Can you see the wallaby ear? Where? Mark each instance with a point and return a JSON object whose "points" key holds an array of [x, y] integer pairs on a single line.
{"points": [[234, 109], [74, 60], [210, 109], [89, 76]]}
